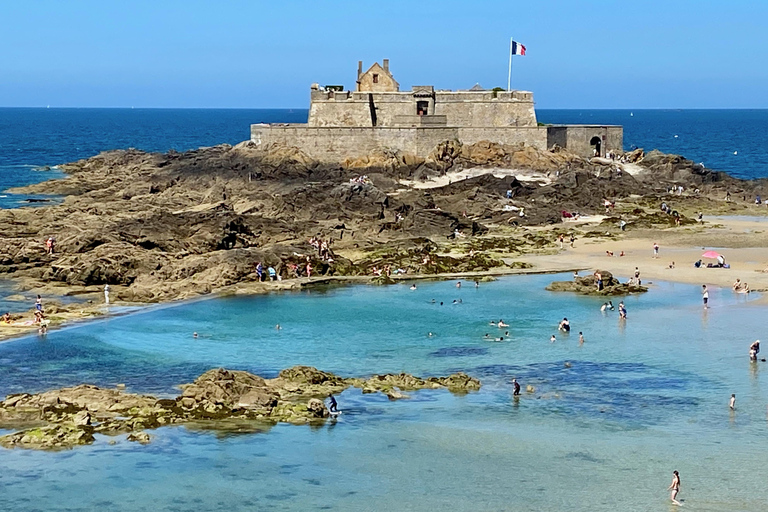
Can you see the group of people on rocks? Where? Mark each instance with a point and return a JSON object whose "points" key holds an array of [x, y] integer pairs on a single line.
{"points": [[323, 248], [270, 273]]}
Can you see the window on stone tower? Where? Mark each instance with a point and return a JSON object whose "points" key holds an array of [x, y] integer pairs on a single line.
{"points": [[375, 78], [422, 108]]}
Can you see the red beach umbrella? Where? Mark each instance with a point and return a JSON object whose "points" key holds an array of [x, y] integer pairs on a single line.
{"points": [[711, 254]]}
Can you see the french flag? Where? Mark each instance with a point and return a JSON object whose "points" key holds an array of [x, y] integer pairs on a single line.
{"points": [[517, 48]]}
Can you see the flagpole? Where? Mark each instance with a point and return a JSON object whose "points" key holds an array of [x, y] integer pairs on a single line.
{"points": [[509, 75]]}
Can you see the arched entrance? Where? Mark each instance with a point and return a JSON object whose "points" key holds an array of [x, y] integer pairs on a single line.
{"points": [[596, 144]]}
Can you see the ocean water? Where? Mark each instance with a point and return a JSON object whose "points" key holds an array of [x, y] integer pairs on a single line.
{"points": [[607, 424], [32, 139]]}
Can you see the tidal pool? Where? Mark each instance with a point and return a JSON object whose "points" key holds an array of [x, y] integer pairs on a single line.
{"points": [[605, 427]]}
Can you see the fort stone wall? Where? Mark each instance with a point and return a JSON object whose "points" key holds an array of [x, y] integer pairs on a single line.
{"points": [[378, 115]]}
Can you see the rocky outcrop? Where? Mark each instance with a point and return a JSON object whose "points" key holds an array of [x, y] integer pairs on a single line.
{"points": [[587, 285], [70, 416], [166, 226]]}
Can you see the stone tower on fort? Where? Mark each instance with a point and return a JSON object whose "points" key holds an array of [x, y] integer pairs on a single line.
{"points": [[377, 115]]}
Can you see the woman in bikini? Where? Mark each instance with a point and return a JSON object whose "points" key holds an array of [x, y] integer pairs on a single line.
{"points": [[675, 487]]}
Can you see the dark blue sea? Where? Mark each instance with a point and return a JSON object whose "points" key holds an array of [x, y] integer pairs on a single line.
{"points": [[34, 140]]}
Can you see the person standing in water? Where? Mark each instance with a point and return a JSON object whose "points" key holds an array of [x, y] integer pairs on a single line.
{"points": [[106, 294], [732, 403], [705, 296], [675, 487], [516, 386], [332, 407], [754, 349], [581, 338]]}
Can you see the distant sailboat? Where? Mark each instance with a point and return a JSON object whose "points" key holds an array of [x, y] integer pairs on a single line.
{"points": [[735, 152], [631, 114], [48, 106]]}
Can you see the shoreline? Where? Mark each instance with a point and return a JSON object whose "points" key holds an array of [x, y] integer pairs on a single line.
{"points": [[587, 254], [247, 289]]}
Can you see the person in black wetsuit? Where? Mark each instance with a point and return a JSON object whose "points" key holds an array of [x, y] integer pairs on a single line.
{"points": [[516, 386], [332, 407]]}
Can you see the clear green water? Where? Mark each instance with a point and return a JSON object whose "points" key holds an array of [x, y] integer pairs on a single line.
{"points": [[639, 399]]}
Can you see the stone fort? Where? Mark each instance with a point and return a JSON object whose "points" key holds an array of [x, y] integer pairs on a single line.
{"points": [[377, 115]]}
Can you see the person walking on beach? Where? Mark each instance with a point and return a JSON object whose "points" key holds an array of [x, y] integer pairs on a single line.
{"points": [[573, 239], [705, 296], [674, 487], [561, 238], [106, 294], [655, 250], [39, 304], [516, 386]]}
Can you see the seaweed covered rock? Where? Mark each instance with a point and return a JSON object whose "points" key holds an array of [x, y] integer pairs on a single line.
{"points": [[50, 437], [588, 285], [70, 416], [219, 392], [390, 383]]}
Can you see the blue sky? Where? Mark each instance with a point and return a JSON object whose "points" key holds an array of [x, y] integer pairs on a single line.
{"points": [[256, 54]]}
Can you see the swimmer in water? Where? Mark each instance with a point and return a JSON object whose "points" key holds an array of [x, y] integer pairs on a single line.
{"points": [[506, 333], [732, 403], [413, 287], [194, 335], [458, 284], [565, 325], [432, 301], [477, 284], [278, 327], [430, 334], [581, 338], [487, 336], [501, 324], [501, 338], [552, 339]]}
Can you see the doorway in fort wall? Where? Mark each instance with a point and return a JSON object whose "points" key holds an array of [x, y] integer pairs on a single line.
{"points": [[597, 145]]}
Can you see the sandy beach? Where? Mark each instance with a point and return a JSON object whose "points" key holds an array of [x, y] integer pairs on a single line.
{"points": [[742, 240]]}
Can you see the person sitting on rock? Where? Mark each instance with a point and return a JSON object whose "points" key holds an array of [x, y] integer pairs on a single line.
{"points": [[7, 317]]}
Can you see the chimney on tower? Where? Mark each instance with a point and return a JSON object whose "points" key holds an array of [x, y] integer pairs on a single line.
{"points": [[386, 65], [359, 69]]}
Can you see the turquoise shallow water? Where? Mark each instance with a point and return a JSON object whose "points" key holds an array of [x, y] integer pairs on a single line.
{"points": [[636, 401]]}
